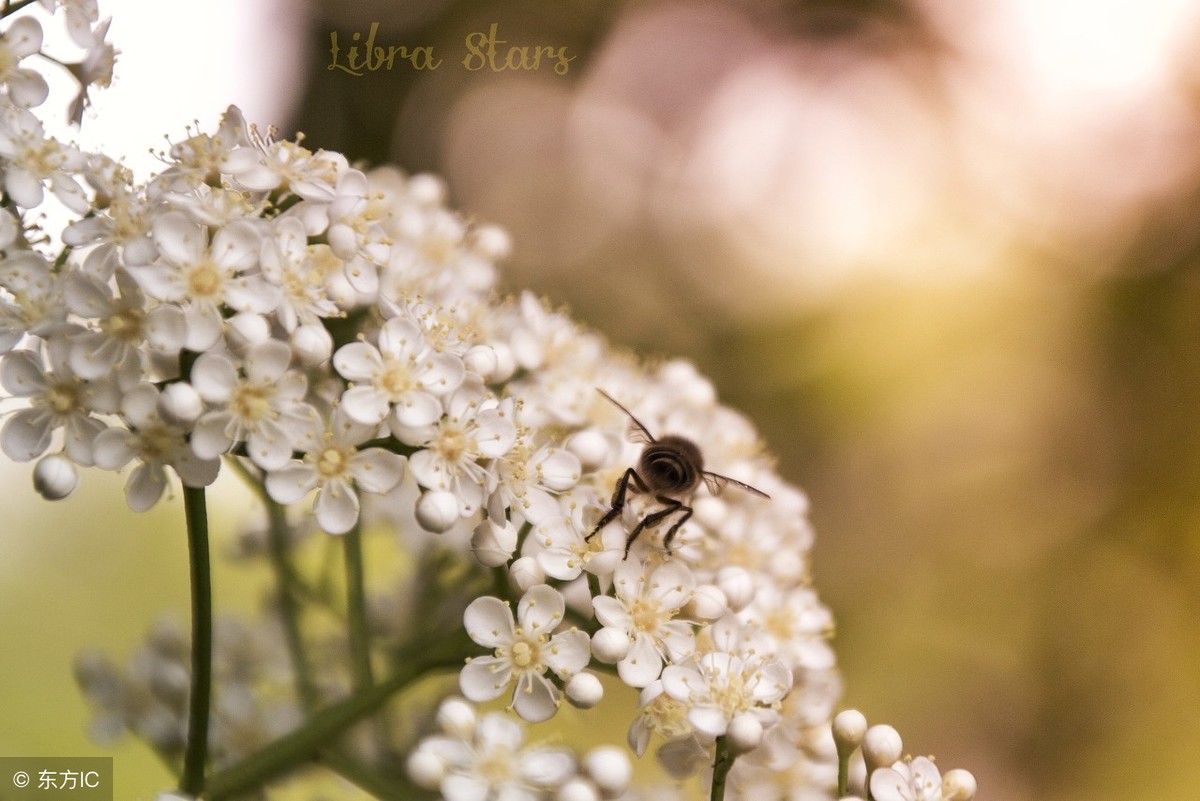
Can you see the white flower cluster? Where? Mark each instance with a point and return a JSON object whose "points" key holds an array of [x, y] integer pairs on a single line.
{"points": [[335, 331], [485, 756], [149, 698]]}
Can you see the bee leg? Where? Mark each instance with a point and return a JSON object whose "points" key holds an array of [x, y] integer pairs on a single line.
{"points": [[683, 518], [655, 518], [618, 501]]}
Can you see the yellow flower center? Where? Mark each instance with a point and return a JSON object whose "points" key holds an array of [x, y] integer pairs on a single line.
{"points": [[395, 379], [125, 325], [252, 403], [204, 280], [63, 398], [333, 461]]}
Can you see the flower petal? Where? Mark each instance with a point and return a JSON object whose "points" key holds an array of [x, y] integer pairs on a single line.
{"points": [[541, 609], [535, 699], [145, 486], [489, 622], [26, 435], [336, 507], [22, 373], [377, 470], [365, 404], [642, 664], [484, 678], [291, 483]]}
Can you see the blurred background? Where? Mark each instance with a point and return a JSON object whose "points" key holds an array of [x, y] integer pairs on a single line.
{"points": [[946, 257]]}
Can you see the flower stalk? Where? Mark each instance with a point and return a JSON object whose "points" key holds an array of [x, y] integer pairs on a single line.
{"points": [[196, 752]]}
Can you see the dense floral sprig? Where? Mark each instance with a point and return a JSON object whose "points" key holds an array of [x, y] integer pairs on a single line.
{"points": [[333, 332]]}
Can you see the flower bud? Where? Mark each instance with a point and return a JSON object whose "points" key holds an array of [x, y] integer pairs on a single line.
{"points": [[707, 603], [610, 645], [437, 511], [958, 785], [881, 747], [247, 329], [592, 448], [738, 586], [577, 789], [525, 573], [849, 727], [745, 733], [179, 404], [493, 544], [492, 242], [609, 767], [457, 717], [427, 190], [560, 470], [426, 769], [312, 344], [710, 512], [55, 477], [483, 361], [584, 690], [506, 363]]}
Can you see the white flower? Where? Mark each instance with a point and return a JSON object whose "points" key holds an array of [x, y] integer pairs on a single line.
{"points": [[31, 300], [564, 550], [156, 445], [123, 324], [204, 277], [644, 609], [918, 780], [403, 377], [262, 406], [474, 428], [34, 158], [263, 166], [490, 762], [719, 685], [303, 273], [26, 87], [796, 623], [59, 399], [523, 652], [334, 468], [529, 481], [658, 713]]}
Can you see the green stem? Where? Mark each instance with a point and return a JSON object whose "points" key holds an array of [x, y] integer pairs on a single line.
{"points": [[305, 743], [722, 762], [843, 773], [278, 532], [365, 778], [196, 753], [356, 609], [15, 7]]}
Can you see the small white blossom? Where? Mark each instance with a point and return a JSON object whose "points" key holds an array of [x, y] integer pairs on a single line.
{"points": [[718, 685], [335, 467], [156, 445], [524, 651], [262, 405], [491, 761], [203, 276], [645, 609], [404, 377]]}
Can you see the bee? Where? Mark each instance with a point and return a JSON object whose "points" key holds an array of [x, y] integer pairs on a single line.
{"points": [[670, 467]]}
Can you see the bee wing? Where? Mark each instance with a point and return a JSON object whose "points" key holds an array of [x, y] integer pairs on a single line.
{"points": [[636, 431], [716, 482]]}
